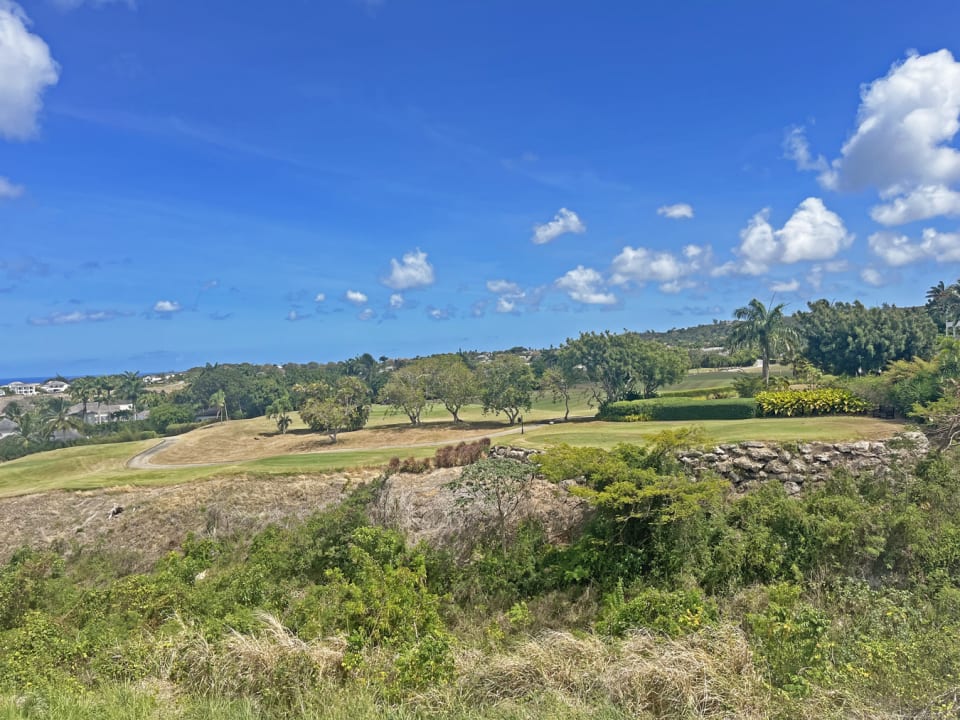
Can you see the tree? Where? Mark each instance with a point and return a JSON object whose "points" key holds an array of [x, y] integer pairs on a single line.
{"points": [[280, 410], [495, 488], [625, 366], [56, 418], [943, 302], [450, 381], [219, 401], [82, 390], [556, 383], [105, 385], [507, 385], [132, 386], [846, 338], [345, 407], [406, 390], [762, 328]]}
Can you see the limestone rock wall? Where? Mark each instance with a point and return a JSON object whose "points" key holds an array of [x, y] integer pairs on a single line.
{"points": [[801, 465]]}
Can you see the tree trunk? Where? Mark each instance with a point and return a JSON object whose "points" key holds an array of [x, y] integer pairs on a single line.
{"points": [[766, 369], [566, 407]]}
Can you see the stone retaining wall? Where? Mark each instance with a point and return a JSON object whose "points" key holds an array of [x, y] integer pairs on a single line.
{"points": [[795, 465], [799, 465]]}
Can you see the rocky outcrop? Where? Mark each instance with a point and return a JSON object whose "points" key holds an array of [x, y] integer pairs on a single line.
{"points": [[801, 465], [424, 507]]}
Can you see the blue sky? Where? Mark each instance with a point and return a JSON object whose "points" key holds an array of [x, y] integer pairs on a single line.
{"points": [[184, 182]]}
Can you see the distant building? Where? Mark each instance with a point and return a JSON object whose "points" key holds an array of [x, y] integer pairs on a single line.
{"points": [[55, 387], [19, 388], [99, 413]]}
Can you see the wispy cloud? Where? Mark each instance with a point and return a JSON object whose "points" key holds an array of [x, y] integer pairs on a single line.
{"points": [[77, 316], [9, 191], [680, 211], [74, 4]]}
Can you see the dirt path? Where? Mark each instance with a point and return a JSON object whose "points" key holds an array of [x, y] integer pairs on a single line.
{"points": [[141, 461]]}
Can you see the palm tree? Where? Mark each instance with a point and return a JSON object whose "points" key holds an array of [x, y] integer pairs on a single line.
{"points": [[104, 390], [219, 401], [82, 390], [942, 302], [57, 418], [761, 328], [133, 387]]}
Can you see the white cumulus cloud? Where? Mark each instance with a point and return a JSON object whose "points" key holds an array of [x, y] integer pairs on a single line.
{"points": [[8, 190], [679, 211], [926, 201], [585, 285], [356, 297], [785, 286], [396, 301], [896, 250], [904, 124], [812, 233], [411, 272], [26, 70], [565, 221], [641, 265], [166, 306]]}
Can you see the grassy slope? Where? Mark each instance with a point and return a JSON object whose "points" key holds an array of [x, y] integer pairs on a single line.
{"points": [[94, 466]]}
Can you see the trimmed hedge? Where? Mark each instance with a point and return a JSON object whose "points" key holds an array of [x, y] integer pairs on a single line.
{"points": [[822, 401], [667, 408], [723, 391]]}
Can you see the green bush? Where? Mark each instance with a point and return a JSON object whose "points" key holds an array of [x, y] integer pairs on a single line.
{"points": [[700, 393], [670, 408], [673, 613], [822, 401]]}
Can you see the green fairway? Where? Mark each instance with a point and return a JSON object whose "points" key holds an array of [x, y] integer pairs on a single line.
{"points": [[608, 434], [703, 378]]}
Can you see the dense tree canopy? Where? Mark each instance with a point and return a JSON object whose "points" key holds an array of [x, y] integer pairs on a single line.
{"points": [[507, 385], [846, 338], [625, 366]]}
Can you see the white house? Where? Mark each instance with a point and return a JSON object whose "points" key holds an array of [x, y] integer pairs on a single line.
{"points": [[55, 386], [99, 413], [19, 388]]}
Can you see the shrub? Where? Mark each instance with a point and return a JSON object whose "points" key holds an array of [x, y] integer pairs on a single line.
{"points": [[461, 454], [678, 409], [673, 613], [822, 401], [408, 465]]}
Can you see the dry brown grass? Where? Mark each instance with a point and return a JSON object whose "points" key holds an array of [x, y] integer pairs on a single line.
{"points": [[258, 438], [274, 664], [707, 675]]}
